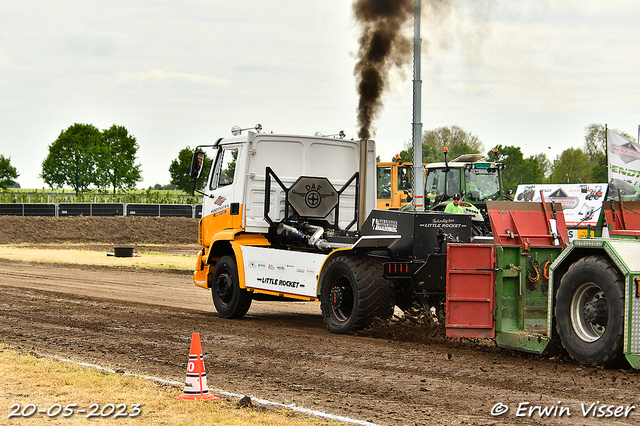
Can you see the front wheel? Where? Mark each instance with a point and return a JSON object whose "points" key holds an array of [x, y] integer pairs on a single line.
{"points": [[354, 293], [230, 300], [590, 311]]}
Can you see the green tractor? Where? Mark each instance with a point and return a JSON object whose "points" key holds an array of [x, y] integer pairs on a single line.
{"points": [[475, 180]]}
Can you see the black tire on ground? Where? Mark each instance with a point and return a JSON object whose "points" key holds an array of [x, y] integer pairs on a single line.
{"points": [[230, 300], [354, 293], [590, 311]]}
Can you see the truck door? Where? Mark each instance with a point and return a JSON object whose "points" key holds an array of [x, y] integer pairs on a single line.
{"points": [[222, 206]]}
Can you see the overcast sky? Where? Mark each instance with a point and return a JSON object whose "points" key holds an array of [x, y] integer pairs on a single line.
{"points": [[530, 73]]}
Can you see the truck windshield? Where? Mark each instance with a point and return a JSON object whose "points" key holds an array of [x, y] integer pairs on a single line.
{"points": [[482, 184], [224, 168]]}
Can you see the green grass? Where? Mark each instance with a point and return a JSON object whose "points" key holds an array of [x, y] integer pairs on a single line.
{"points": [[151, 196], [29, 379]]}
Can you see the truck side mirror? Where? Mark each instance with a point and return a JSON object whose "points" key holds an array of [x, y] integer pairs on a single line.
{"points": [[197, 164]]}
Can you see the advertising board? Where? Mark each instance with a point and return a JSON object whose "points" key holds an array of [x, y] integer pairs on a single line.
{"points": [[581, 203]]}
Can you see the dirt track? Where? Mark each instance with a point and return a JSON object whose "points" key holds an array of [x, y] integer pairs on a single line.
{"points": [[142, 321]]}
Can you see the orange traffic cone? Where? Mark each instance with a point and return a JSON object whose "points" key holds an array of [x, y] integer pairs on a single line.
{"points": [[195, 386]]}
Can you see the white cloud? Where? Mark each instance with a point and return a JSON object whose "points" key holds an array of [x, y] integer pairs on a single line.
{"points": [[161, 75], [4, 59], [178, 74]]}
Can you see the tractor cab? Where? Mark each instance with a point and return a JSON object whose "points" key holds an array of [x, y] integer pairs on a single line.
{"points": [[478, 181]]}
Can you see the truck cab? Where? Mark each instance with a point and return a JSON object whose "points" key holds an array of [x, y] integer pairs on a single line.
{"points": [[234, 198]]}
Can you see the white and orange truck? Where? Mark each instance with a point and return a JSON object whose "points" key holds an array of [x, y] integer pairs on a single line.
{"points": [[278, 211], [292, 217]]}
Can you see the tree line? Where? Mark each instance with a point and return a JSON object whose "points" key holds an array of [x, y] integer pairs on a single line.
{"points": [[587, 164], [84, 157]]}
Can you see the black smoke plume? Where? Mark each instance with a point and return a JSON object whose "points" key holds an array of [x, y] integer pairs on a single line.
{"points": [[383, 44], [386, 41]]}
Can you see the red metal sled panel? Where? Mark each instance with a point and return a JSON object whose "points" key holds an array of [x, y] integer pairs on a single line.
{"points": [[470, 298], [527, 224], [622, 218]]}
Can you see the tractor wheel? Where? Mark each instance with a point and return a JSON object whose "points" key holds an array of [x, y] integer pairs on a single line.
{"points": [[590, 311], [230, 300], [353, 293]]}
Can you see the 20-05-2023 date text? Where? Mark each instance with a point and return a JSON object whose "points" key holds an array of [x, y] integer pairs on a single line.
{"points": [[93, 411]]}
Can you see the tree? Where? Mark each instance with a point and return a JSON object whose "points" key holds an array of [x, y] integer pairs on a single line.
{"points": [[448, 137], [531, 170], [168, 187], [572, 166], [8, 173], [512, 158], [595, 141], [119, 168], [544, 163], [460, 148], [456, 139], [518, 170], [75, 158], [179, 171], [599, 171], [429, 154]]}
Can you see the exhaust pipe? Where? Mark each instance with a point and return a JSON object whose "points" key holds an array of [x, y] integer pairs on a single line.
{"points": [[315, 240], [362, 190], [290, 232]]}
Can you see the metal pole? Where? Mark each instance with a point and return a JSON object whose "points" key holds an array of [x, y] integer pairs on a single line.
{"points": [[418, 169], [606, 152]]}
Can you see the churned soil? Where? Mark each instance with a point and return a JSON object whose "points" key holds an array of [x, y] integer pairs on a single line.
{"points": [[115, 230], [400, 372]]}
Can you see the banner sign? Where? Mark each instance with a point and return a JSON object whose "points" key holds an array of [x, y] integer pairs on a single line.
{"points": [[581, 203], [624, 167]]}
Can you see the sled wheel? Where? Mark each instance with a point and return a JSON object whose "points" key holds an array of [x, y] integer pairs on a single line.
{"points": [[354, 293], [590, 311], [230, 300]]}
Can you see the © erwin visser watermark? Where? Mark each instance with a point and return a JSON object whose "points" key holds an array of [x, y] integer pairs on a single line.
{"points": [[594, 409]]}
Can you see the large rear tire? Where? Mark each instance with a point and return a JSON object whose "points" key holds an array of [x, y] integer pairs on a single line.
{"points": [[230, 300], [354, 293], [590, 311]]}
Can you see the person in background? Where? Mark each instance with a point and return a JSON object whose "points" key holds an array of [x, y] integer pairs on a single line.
{"points": [[454, 207]]}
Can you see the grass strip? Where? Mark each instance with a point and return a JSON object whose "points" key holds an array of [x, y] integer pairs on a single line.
{"points": [[32, 383], [90, 257]]}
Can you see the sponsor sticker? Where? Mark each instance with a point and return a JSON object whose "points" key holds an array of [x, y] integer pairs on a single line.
{"points": [[385, 225]]}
